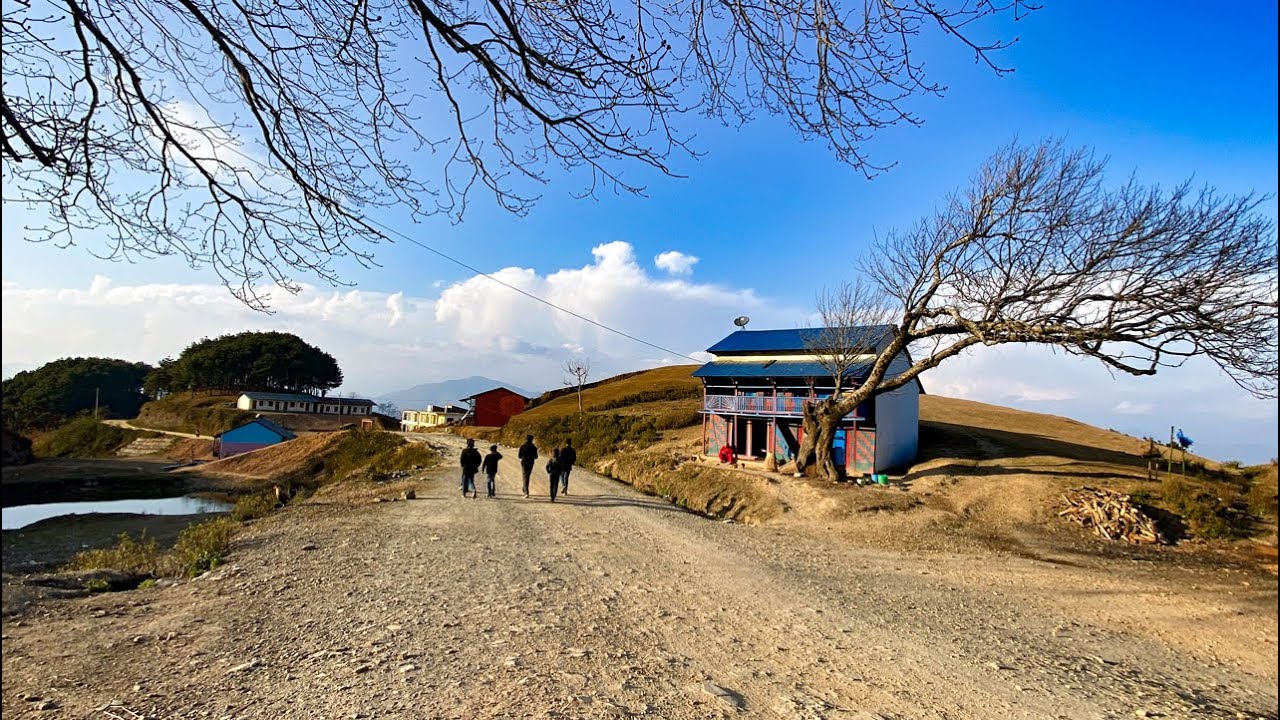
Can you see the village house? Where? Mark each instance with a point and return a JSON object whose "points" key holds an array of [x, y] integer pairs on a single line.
{"points": [[303, 403], [493, 408], [755, 388], [257, 433], [431, 416]]}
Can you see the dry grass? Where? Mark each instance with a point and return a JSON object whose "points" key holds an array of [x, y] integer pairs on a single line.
{"points": [[276, 462], [188, 449], [625, 391], [192, 413]]}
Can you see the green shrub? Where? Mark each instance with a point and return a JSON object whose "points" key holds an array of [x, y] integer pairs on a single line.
{"points": [[141, 556], [683, 391], [97, 585], [192, 413], [375, 452], [203, 547], [198, 548], [250, 507], [1262, 498], [84, 437], [1214, 510], [596, 435], [147, 584]]}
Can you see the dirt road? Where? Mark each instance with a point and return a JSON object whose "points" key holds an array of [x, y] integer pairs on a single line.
{"points": [[612, 604]]}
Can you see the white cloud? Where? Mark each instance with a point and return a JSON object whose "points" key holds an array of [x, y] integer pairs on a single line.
{"points": [[388, 341], [1128, 407], [675, 262]]}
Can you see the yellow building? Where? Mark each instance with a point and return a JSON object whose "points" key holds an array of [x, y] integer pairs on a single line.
{"points": [[431, 416]]}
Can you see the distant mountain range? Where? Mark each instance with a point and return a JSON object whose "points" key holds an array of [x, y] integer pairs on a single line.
{"points": [[447, 392]]}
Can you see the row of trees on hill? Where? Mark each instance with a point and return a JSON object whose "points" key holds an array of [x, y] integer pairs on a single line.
{"points": [[247, 361], [55, 392]]}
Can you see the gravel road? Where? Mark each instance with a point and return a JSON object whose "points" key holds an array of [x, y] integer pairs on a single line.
{"points": [[609, 603]]}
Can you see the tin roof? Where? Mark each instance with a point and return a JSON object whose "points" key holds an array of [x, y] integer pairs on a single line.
{"points": [[493, 390], [793, 340], [768, 368], [266, 423]]}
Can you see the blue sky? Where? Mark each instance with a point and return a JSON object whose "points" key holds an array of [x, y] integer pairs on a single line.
{"points": [[1167, 91]]}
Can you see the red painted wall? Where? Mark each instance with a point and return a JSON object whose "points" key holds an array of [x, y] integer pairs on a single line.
{"points": [[495, 407]]}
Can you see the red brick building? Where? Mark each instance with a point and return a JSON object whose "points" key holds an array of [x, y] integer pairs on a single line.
{"points": [[493, 408]]}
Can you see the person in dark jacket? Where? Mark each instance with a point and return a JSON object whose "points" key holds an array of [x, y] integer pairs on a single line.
{"points": [[553, 472], [568, 456], [491, 469], [528, 455], [470, 462]]}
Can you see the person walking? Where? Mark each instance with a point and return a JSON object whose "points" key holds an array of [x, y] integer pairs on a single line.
{"points": [[528, 455], [553, 472], [470, 462], [568, 456], [491, 469]]}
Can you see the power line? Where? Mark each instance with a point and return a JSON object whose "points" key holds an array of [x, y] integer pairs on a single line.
{"points": [[526, 293], [509, 286]]}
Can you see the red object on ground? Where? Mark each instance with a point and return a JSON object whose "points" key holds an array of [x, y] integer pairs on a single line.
{"points": [[726, 455]]}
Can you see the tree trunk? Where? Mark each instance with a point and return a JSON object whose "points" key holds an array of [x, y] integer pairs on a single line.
{"points": [[821, 420]]}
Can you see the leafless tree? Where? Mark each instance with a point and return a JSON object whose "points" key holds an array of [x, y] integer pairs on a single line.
{"points": [[254, 137], [853, 319], [1040, 249], [576, 371]]}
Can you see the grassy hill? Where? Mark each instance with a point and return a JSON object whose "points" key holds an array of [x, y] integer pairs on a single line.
{"points": [[192, 413], [989, 467]]}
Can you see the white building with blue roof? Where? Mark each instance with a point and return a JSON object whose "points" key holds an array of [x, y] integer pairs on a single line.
{"points": [[755, 389]]}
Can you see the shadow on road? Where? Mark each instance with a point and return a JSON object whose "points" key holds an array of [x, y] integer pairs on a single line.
{"points": [[600, 501]]}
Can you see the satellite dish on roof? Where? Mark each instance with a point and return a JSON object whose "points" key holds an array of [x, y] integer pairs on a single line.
{"points": [[741, 321]]}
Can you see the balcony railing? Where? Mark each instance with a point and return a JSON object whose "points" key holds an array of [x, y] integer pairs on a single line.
{"points": [[782, 406], [754, 405]]}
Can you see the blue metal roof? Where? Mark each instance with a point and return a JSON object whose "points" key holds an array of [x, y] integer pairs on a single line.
{"points": [[266, 423], [753, 341], [767, 369]]}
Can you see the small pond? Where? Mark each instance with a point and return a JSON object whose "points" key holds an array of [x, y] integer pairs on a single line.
{"points": [[20, 516]]}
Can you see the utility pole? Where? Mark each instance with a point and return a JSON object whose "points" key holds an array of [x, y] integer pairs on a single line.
{"points": [[95, 403]]}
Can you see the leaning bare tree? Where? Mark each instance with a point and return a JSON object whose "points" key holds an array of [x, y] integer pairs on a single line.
{"points": [[1040, 249], [576, 371], [853, 321], [255, 137]]}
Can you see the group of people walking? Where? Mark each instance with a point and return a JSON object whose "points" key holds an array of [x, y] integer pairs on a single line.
{"points": [[558, 467]]}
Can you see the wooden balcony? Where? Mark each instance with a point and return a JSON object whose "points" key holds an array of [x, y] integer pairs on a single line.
{"points": [[766, 405], [754, 405]]}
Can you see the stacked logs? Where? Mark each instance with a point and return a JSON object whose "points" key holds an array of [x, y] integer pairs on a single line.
{"points": [[1111, 515]]}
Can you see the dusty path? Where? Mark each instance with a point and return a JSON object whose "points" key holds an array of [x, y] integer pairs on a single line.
{"points": [[612, 604], [126, 424]]}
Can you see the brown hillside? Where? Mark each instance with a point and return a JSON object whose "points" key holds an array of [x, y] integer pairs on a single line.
{"points": [[977, 431], [277, 461], [626, 394]]}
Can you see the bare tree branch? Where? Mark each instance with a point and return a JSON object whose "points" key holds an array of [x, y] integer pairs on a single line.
{"points": [[254, 137], [1040, 249], [576, 370]]}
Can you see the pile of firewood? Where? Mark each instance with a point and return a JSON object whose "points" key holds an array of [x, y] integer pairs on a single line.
{"points": [[1111, 515]]}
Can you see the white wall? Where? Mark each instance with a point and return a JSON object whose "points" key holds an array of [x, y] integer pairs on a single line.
{"points": [[897, 423], [244, 403]]}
